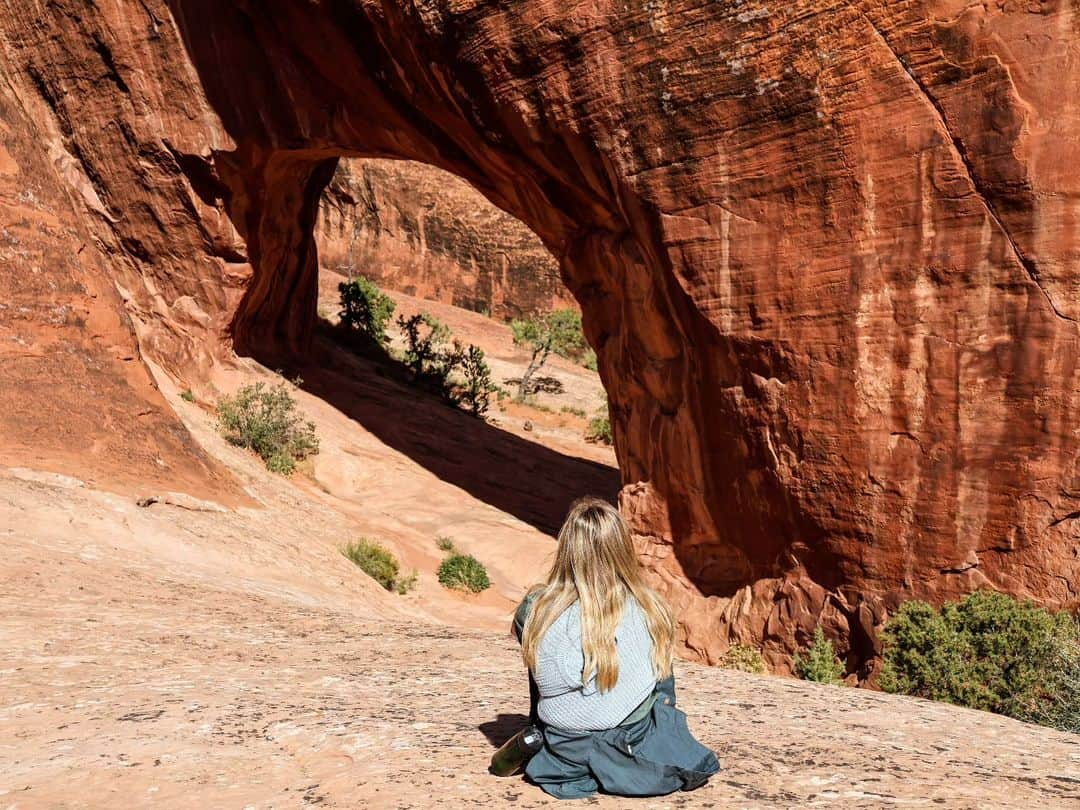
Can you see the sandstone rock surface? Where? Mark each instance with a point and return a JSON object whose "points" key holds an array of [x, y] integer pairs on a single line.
{"points": [[417, 229], [827, 254], [174, 657]]}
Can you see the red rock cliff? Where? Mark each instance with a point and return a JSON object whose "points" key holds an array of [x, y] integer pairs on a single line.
{"points": [[414, 228], [827, 253]]}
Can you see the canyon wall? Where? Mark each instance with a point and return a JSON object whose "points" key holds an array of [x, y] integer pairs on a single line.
{"points": [[827, 254], [417, 229]]}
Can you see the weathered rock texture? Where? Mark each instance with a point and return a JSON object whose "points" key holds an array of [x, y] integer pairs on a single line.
{"points": [[420, 230], [174, 658], [827, 253]]}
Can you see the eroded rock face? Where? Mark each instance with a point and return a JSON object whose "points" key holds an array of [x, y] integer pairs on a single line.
{"points": [[420, 230], [827, 254]]}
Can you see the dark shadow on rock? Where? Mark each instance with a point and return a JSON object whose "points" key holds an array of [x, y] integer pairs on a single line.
{"points": [[527, 480], [503, 727]]}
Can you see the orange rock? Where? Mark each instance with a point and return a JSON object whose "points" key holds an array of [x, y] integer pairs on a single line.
{"points": [[827, 254], [411, 227]]}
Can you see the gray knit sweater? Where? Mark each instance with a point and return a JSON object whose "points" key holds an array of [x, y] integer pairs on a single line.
{"points": [[566, 702]]}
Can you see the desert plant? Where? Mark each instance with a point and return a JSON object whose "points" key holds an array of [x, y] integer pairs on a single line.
{"points": [[599, 427], [379, 564], [818, 662], [427, 353], [463, 572], [570, 409], [425, 338], [1059, 705], [187, 396], [403, 585], [589, 359], [365, 308], [265, 420], [558, 332], [373, 560], [987, 651], [475, 394], [444, 543], [744, 658], [599, 430]]}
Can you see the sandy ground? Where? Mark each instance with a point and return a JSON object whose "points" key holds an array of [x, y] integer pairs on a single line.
{"points": [[161, 650]]}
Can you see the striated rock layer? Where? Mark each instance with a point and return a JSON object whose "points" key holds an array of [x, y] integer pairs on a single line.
{"points": [[417, 229], [827, 254]]}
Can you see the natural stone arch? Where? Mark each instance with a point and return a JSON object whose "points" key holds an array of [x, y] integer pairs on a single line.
{"points": [[813, 326]]}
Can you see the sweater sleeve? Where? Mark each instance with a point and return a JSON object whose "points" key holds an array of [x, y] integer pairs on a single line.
{"points": [[522, 614]]}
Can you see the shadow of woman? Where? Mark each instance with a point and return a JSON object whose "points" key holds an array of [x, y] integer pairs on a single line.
{"points": [[503, 727]]}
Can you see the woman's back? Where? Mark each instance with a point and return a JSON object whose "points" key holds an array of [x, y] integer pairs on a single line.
{"points": [[596, 623], [568, 703]]}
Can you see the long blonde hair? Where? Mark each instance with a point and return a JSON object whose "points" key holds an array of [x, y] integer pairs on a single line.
{"points": [[595, 564]]}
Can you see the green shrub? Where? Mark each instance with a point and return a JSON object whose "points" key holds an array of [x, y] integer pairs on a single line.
{"points": [[373, 560], [744, 658], [427, 353], [379, 564], [988, 651], [818, 661], [425, 338], [475, 394], [1059, 705], [265, 420], [187, 396], [570, 409], [599, 430], [558, 332], [444, 543], [365, 308], [463, 572], [405, 584], [589, 359]]}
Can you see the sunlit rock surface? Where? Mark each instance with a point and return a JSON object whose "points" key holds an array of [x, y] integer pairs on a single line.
{"points": [[827, 254]]}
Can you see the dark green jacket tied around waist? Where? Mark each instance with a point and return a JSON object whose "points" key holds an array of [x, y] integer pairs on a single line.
{"points": [[651, 753]]}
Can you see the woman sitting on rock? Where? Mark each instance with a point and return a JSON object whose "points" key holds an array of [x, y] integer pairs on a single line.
{"points": [[598, 644]]}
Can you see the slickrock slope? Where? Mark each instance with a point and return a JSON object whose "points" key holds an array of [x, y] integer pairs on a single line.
{"points": [[414, 228], [181, 655], [827, 253]]}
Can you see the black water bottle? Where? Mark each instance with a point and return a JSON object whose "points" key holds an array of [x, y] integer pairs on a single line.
{"points": [[515, 753]]}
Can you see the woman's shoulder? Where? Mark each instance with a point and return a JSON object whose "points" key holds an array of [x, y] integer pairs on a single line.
{"points": [[525, 607]]}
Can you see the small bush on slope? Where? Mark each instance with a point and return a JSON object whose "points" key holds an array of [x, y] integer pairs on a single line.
{"points": [[463, 572], [265, 420], [379, 564], [743, 658], [365, 308], [475, 394], [818, 661], [426, 352], [444, 542], [599, 430], [599, 427], [988, 651]]}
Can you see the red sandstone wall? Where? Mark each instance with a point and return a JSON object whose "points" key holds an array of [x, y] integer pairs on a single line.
{"points": [[425, 232], [827, 253]]}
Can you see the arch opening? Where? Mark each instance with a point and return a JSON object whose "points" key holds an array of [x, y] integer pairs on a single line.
{"points": [[795, 310], [712, 516], [435, 247]]}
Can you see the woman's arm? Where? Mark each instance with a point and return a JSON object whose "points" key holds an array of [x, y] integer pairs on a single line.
{"points": [[522, 613]]}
